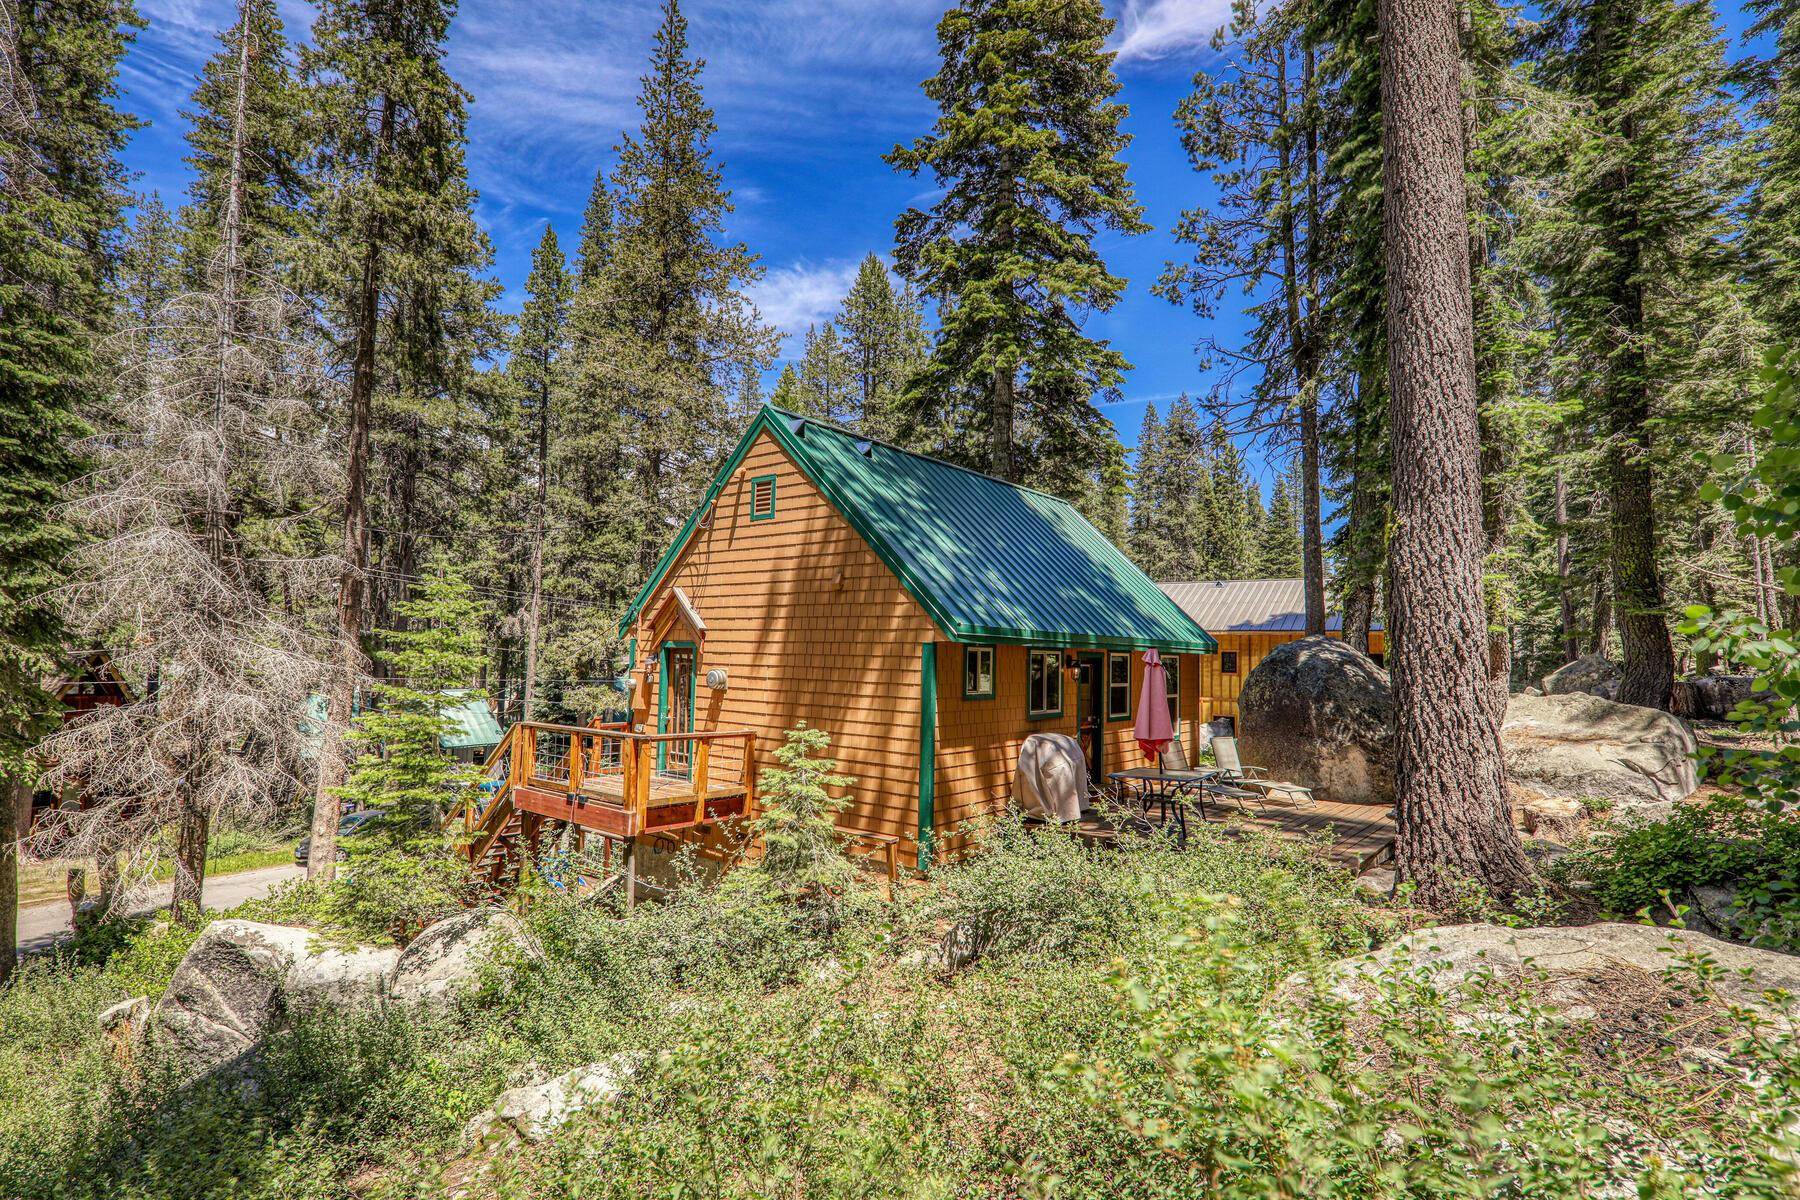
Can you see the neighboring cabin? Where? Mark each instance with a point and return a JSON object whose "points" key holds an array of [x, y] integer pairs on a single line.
{"points": [[1248, 618], [928, 616]]}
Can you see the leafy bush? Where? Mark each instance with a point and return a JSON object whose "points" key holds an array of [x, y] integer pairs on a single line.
{"points": [[1034, 891], [1218, 1085], [1725, 842]]}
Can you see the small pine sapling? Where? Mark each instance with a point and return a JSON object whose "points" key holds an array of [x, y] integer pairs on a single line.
{"points": [[803, 851]]}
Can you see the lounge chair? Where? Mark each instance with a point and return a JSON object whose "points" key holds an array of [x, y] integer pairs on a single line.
{"points": [[1225, 754]]}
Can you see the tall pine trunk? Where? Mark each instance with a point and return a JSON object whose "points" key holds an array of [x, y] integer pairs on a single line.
{"points": [[1565, 587], [1449, 776], [1000, 426], [321, 864]]}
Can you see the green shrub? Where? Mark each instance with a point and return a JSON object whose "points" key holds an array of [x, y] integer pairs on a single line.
{"points": [[1725, 842], [1218, 1086]]}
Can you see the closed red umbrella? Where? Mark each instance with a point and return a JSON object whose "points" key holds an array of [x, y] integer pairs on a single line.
{"points": [[1154, 729]]}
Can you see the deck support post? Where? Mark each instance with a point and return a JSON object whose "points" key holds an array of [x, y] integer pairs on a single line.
{"points": [[630, 852]]}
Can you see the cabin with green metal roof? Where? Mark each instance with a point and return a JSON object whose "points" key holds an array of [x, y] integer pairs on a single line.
{"points": [[929, 617]]}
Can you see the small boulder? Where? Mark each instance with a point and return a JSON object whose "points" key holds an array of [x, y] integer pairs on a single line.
{"points": [[1595, 674], [1575, 746], [449, 955], [1320, 713], [125, 1020], [533, 1113], [226, 993], [1712, 697]]}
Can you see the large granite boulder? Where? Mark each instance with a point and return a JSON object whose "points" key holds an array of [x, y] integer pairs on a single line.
{"points": [[449, 955], [1594, 674], [1319, 712], [241, 979], [1576, 962], [226, 994], [1574, 746]]}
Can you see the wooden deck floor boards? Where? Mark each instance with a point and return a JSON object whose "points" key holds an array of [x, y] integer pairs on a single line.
{"points": [[1362, 834]]}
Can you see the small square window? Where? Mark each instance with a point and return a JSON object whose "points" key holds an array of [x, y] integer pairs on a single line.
{"points": [[1043, 684], [762, 497], [978, 672], [1118, 687], [1228, 662]]}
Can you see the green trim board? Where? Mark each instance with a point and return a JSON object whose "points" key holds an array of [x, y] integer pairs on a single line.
{"points": [[988, 561], [773, 483], [662, 694], [992, 668], [928, 717], [1056, 673]]}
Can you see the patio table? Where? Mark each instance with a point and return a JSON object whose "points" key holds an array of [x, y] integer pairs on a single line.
{"points": [[1167, 788]]}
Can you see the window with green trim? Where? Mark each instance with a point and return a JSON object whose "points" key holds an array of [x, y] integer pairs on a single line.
{"points": [[762, 497], [1118, 687], [978, 672], [1172, 683], [1043, 683]]}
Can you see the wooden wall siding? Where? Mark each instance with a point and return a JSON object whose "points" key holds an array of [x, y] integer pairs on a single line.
{"points": [[979, 740], [1219, 691], [810, 626]]}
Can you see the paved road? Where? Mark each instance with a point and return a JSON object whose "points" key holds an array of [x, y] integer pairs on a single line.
{"points": [[41, 926]]}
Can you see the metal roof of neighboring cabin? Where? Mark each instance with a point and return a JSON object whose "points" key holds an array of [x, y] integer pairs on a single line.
{"points": [[472, 725], [1248, 605], [988, 560]]}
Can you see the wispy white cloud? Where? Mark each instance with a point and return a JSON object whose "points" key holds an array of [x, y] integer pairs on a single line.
{"points": [[1156, 29], [802, 294]]}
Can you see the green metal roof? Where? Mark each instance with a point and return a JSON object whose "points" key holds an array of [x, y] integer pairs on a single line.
{"points": [[988, 560], [472, 724]]}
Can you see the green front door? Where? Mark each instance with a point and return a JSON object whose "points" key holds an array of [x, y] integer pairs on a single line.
{"points": [[675, 706]]}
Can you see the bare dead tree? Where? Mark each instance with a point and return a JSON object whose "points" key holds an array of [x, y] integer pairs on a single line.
{"points": [[225, 400]]}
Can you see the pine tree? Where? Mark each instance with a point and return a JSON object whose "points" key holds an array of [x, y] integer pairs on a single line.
{"points": [[535, 369], [1772, 228], [1278, 549], [59, 138], [1026, 148], [680, 333], [393, 249], [1640, 239], [595, 249], [433, 662], [1187, 500], [272, 153], [1257, 128], [1231, 538], [1143, 538], [883, 331], [825, 385]]}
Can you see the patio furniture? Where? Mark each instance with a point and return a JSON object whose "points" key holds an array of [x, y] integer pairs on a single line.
{"points": [[1234, 772], [1168, 789]]}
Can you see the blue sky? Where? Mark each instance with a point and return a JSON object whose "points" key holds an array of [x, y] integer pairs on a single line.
{"points": [[809, 94]]}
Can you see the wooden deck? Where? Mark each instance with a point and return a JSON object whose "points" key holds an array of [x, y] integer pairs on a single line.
{"points": [[1363, 834], [668, 802]]}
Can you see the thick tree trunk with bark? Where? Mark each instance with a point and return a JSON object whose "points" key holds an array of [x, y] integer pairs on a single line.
{"points": [[15, 809], [1312, 534], [1449, 776], [1648, 677]]}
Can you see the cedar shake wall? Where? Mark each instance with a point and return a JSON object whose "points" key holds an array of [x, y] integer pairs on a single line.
{"points": [[810, 626]]}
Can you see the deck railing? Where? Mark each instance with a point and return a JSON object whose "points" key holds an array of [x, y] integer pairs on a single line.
{"points": [[637, 771]]}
